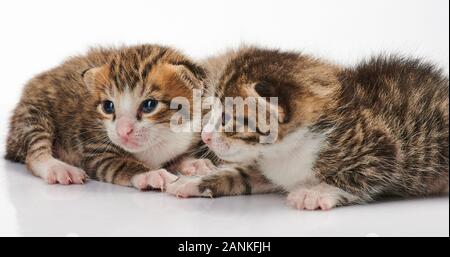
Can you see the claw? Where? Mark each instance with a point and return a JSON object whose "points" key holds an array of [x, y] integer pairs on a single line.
{"points": [[210, 194]]}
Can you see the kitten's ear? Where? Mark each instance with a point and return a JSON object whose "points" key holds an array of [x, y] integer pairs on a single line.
{"points": [[96, 77], [192, 74], [267, 90]]}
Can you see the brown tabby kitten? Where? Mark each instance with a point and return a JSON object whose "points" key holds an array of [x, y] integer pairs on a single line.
{"points": [[106, 113], [345, 135]]}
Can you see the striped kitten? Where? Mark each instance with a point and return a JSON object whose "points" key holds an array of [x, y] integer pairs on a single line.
{"points": [[345, 135], [107, 114]]}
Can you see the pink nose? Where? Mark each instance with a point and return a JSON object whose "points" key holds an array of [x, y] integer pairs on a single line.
{"points": [[207, 137], [124, 128], [125, 133]]}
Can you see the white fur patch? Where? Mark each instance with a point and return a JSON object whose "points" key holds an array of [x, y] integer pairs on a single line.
{"points": [[170, 146], [128, 103], [289, 163]]}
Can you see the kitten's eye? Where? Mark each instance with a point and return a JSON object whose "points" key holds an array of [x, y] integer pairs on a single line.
{"points": [[108, 107], [149, 105]]}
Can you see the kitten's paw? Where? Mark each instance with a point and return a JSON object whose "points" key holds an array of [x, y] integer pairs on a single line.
{"points": [[186, 187], [155, 179], [307, 199], [54, 171], [193, 167], [323, 197]]}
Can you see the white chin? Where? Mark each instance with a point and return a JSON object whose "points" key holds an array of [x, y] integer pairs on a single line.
{"points": [[228, 156], [239, 155], [131, 149]]}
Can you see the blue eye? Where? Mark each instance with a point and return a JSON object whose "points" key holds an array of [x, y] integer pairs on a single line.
{"points": [[149, 105], [108, 107]]}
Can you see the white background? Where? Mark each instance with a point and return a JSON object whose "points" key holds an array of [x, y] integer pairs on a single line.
{"points": [[37, 35]]}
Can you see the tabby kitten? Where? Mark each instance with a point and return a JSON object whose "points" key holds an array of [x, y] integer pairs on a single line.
{"points": [[107, 114], [345, 135]]}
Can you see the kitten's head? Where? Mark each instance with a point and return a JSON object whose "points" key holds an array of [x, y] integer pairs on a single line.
{"points": [[133, 92], [302, 86]]}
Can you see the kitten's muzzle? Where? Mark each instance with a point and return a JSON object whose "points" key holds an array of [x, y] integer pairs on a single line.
{"points": [[124, 129], [207, 137]]}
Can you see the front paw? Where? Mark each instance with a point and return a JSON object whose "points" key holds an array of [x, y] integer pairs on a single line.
{"points": [[55, 171], [155, 179], [196, 167], [185, 187], [320, 197]]}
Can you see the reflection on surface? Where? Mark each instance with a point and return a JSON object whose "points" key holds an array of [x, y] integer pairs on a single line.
{"points": [[31, 207]]}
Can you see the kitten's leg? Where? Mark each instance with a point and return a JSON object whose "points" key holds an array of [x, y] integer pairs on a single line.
{"points": [[191, 166], [227, 180], [367, 164], [30, 141], [155, 179], [321, 196], [110, 164], [55, 171], [41, 163]]}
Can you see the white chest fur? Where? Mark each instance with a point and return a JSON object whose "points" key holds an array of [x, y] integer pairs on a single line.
{"points": [[169, 148], [289, 163]]}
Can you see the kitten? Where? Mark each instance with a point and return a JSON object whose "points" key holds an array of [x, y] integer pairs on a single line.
{"points": [[345, 135], [107, 114]]}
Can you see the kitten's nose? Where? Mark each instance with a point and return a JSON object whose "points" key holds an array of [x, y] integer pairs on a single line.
{"points": [[125, 133], [207, 137], [124, 128]]}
